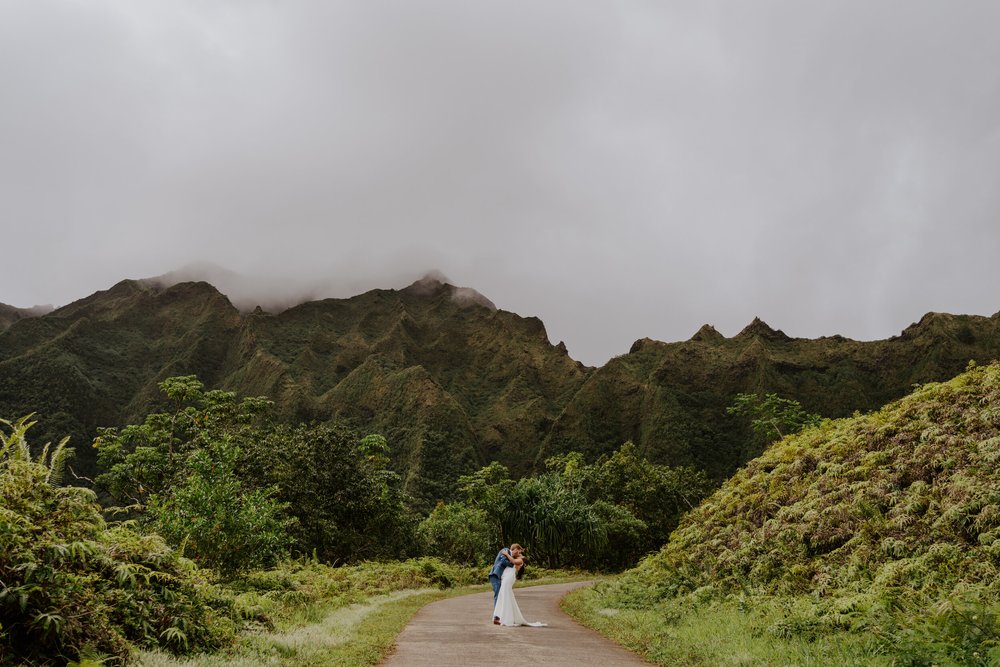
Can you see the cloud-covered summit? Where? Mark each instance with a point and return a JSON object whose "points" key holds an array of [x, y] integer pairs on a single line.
{"points": [[618, 169]]}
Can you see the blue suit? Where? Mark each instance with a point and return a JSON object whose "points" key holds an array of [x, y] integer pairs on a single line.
{"points": [[500, 563]]}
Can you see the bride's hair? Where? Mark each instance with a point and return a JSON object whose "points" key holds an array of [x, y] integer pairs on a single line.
{"points": [[516, 546]]}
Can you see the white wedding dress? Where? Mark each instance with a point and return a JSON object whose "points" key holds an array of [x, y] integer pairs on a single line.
{"points": [[506, 608]]}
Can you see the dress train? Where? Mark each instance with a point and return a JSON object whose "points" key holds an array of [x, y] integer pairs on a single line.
{"points": [[506, 608]]}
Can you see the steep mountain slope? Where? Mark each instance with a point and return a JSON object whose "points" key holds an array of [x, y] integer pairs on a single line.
{"points": [[670, 398], [450, 380], [96, 361], [868, 540]]}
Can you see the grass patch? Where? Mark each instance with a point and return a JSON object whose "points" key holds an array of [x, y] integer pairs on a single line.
{"points": [[725, 633]]}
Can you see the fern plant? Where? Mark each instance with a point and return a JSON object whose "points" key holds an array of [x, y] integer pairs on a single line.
{"points": [[69, 583], [14, 446]]}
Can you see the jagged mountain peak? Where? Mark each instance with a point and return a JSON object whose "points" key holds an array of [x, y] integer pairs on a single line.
{"points": [[707, 334], [761, 329], [429, 283], [929, 323], [435, 283], [644, 344], [945, 326]]}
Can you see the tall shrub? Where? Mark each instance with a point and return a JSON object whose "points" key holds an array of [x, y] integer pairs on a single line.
{"points": [[68, 583], [217, 520], [458, 533]]}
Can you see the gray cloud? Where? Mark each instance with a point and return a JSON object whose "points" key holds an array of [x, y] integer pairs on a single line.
{"points": [[618, 169]]}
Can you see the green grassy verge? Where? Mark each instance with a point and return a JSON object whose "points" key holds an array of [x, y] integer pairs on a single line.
{"points": [[308, 614], [357, 635], [724, 633]]}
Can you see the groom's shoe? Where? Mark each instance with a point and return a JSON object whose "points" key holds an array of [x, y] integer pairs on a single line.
{"points": [[496, 620]]}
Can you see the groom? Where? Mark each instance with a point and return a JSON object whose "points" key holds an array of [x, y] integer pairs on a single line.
{"points": [[500, 563]]}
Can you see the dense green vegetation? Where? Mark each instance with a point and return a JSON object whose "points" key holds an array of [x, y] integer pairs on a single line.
{"points": [[603, 515], [70, 583], [73, 586], [239, 491], [216, 497], [883, 526]]}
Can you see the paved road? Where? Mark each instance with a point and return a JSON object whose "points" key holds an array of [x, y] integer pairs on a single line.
{"points": [[459, 632]]}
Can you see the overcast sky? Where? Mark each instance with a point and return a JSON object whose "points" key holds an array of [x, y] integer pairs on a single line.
{"points": [[618, 169]]}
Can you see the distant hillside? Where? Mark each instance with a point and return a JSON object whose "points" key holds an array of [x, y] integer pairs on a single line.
{"points": [[907, 497], [452, 382], [10, 314], [670, 398]]}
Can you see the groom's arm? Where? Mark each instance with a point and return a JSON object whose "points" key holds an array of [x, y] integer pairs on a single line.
{"points": [[515, 562]]}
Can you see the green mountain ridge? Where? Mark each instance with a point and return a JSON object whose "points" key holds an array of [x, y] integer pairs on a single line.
{"points": [[452, 381], [670, 398]]}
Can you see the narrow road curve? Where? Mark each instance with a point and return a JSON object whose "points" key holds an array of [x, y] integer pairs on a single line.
{"points": [[459, 632]]}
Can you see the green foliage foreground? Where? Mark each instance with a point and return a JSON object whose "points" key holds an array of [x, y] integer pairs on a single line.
{"points": [[885, 525], [69, 583]]}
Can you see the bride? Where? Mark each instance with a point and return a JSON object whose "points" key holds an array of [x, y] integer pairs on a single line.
{"points": [[506, 608]]}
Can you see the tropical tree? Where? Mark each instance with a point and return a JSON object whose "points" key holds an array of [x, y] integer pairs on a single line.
{"points": [[772, 416], [147, 458], [348, 504], [217, 520], [657, 495], [771, 419]]}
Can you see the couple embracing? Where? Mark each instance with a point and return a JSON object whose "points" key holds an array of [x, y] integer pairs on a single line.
{"points": [[507, 566]]}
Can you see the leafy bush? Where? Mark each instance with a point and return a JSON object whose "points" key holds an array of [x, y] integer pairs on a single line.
{"points": [[958, 630], [69, 583], [458, 533], [216, 520]]}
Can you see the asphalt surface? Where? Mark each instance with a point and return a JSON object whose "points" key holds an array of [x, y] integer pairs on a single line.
{"points": [[459, 632]]}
